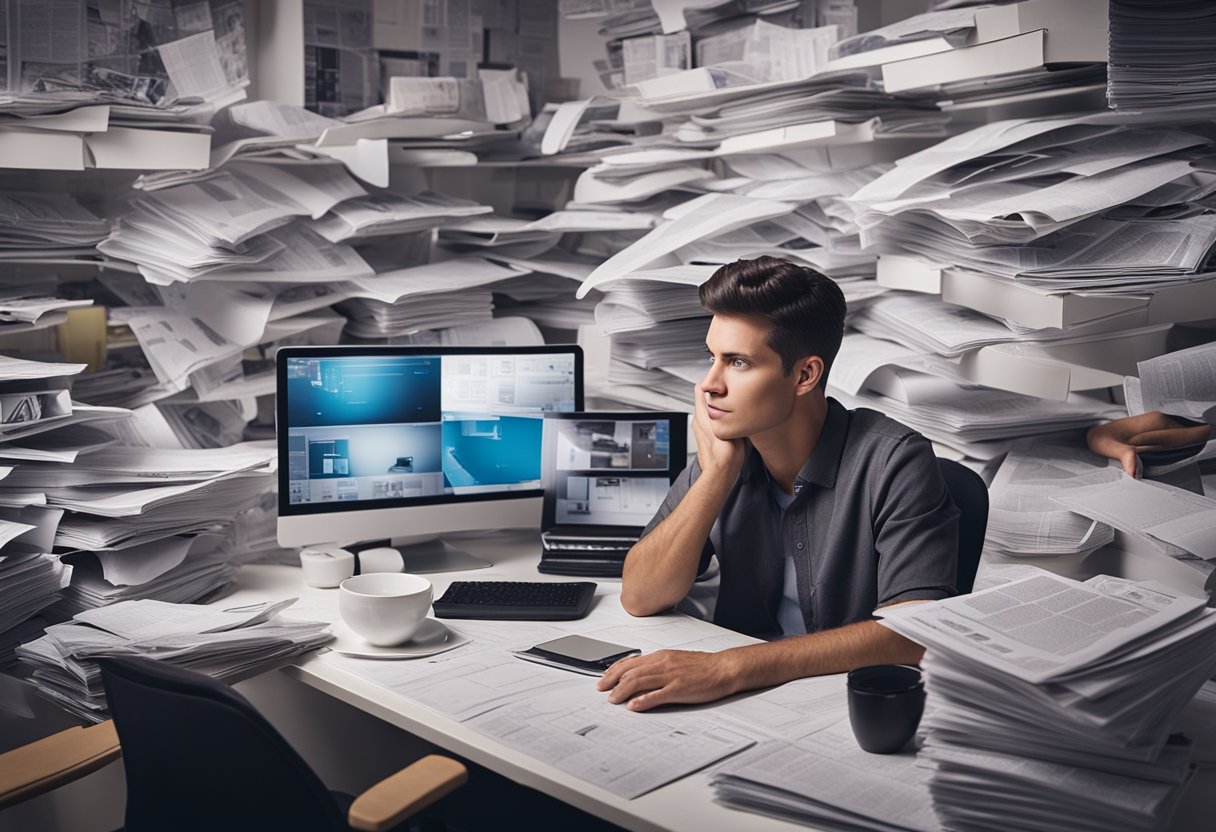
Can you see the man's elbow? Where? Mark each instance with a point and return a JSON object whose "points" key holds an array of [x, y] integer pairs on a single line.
{"points": [[637, 605]]}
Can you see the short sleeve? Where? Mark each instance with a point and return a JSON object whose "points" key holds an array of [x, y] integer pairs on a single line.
{"points": [[915, 527], [674, 495]]}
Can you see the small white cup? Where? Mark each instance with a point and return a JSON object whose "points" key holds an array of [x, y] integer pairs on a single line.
{"points": [[385, 608], [326, 566]]}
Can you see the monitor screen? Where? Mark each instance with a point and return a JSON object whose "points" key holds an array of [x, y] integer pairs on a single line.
{"points": [[610, 469], [374, 427]]}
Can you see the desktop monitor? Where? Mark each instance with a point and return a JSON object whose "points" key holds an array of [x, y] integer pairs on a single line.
{"points": [[413, 442]]}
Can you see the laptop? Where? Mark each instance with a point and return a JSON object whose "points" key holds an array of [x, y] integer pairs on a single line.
{"points": [[604, 476]]}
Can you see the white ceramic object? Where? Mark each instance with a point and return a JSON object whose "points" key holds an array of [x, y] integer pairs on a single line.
{"points": [[385, 608], [380, 559], [431, 637], [326, 566]]}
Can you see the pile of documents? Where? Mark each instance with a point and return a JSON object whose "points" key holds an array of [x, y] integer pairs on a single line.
{"points": [[1024, 519], [1158, 60], [32, 582], [225, 643], [120, 88], [1050, 698], [42, 224], [41, 428], [1161, 518], [450, 293], [1017, 199], [977, 55], [183, 568], [132, 522]]}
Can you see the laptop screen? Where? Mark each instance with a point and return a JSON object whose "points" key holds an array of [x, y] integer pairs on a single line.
{"points": [[610, 470]]}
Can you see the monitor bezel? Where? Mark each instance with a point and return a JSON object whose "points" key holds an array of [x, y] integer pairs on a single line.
{"points": [[548, 472], [286, 509]]}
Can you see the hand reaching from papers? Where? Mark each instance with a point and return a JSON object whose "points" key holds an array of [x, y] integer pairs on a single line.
{"points": [[1122, 439], [667, 677], [715, 455]]}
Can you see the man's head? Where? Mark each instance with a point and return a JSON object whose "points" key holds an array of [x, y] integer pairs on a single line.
{"points": [[776, 330]]}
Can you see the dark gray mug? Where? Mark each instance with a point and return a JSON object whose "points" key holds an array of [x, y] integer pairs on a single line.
{"points": [[885, 705]]}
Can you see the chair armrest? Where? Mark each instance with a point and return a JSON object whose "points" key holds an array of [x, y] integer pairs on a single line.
{"points": [[53, 761], [400, 795]]}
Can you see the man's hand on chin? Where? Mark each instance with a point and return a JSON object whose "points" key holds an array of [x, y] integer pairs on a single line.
{"points": [[669, 677]]}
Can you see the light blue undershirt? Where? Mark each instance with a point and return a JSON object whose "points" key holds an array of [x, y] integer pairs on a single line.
{"points": [[789, 611]]}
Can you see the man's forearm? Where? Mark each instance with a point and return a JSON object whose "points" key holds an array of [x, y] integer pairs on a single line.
{"points": [[818, 654], [661, 567]]}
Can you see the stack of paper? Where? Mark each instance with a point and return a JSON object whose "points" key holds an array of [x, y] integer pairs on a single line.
{"points": [[225, 643], [1049, 698], [383, 214], [1165, 519], [42, 225], [1146, 76], [118, 91], [1023, 518], [31, 581], [179, 569], [978, 423], [950, 184], [450, 293], [1014, 50], [216, 228]]}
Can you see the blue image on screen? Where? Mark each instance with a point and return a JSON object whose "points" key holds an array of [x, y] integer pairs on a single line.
{"points": [[494, 451], [362, 390]]}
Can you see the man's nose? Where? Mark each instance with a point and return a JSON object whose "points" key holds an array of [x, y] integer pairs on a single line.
{"points": [[712, 383]]}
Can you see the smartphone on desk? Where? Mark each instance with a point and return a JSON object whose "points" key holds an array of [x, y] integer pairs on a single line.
{"points": [[580, 654]]}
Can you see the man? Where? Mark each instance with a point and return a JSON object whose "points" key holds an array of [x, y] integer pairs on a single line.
{"points": [[818, 514]]}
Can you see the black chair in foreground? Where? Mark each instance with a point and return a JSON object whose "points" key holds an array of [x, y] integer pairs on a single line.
{"points": [[198, 756], [969, 493]]}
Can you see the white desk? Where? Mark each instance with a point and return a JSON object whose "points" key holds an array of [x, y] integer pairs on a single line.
{"points": [[683, 805]]}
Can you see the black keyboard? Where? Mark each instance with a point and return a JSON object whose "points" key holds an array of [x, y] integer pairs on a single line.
{"points": [[516, 600]]}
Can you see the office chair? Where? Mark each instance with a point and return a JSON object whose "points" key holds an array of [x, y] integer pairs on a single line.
{"points": [[198, 756], [969, 493]]}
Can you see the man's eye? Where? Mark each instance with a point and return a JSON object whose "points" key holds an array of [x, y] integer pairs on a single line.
{"points": [[739, 364]]}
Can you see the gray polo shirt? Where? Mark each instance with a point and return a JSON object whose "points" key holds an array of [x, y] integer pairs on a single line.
{"points": [[871, 524]]}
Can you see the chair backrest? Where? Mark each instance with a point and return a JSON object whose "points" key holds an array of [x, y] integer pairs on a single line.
{"points": [[198, 756], [969, 493]]}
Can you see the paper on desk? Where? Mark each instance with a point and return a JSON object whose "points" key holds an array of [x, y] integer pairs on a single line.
{"points": [[1143, 507], [147, 620], [575, 729], [1181, 383], [1043, 627], [826, 780]]}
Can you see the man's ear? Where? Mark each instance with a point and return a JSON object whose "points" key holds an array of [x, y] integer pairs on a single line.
{"points": [[809, 371]]}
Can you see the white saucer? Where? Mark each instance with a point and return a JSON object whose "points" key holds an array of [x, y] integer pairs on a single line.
{"points": [[432, 637]]}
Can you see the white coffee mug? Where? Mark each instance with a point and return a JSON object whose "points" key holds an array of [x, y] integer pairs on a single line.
{"points": [[385, 608]]}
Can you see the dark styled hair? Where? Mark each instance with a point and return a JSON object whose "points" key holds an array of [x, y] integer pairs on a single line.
{"points": [[803, 309]]}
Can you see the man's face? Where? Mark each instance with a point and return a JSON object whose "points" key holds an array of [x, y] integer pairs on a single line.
{"points": [[745, 390]]}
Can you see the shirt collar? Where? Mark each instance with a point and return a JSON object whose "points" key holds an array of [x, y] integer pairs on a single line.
{"points": [[822, 465]]}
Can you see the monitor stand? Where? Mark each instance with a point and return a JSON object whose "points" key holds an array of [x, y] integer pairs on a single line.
{"points": [[424, 555]]}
